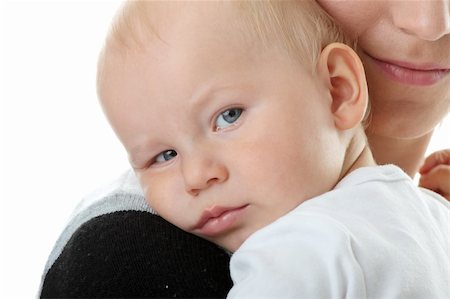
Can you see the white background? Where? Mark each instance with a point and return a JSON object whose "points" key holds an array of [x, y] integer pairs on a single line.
{"points": [[55, 144]]}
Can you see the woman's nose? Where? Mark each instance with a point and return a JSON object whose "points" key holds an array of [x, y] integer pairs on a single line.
{"points": [[427, 19], [201, 172]]}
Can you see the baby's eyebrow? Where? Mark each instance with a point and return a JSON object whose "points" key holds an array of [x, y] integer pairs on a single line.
{"points": [[206, 93]]}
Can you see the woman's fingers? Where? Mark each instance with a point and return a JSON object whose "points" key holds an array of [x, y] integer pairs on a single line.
{"points": [[435, 173], [438, 180], [437, 158]]}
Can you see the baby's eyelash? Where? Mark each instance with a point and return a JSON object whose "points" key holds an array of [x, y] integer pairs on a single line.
{"points": [[164, 156], [161, 158]]}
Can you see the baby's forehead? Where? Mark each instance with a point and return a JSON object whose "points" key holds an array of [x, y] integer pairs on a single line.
{"points": [[164, 37]]}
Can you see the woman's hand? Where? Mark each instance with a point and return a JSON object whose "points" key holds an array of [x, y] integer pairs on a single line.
{"points": [[435, 173]]}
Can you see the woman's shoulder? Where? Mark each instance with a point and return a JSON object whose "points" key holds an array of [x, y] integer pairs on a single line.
{"points": [[136, 254]]}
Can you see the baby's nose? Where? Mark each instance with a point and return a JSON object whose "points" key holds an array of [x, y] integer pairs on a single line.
{"points": [[200, 173]]}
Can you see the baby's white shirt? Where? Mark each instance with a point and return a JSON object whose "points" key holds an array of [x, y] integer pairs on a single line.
{"points": [[376, 235]]}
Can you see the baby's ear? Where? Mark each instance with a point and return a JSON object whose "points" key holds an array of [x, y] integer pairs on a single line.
{"points": [[343, 73]]}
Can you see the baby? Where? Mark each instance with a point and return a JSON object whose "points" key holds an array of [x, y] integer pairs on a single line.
{"points": [[242, 121]]}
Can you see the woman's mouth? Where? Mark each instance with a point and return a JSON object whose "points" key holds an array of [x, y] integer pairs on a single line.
{"points": [[411, 74], [216, 220]]}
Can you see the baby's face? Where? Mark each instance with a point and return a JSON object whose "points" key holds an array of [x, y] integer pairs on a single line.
{"points": [[224, 137]]}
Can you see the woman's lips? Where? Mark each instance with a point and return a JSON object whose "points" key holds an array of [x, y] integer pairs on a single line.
{"points": [[217, 220], [407, 73]]}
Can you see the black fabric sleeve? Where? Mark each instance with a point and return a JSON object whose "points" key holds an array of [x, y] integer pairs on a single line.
{"points": [[137, 254]]}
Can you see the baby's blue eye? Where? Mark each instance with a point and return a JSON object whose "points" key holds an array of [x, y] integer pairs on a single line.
{"points": [[165, 156], [228, 117]]}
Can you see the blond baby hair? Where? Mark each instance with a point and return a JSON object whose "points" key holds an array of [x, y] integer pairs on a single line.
{"points": [[300, 27]]}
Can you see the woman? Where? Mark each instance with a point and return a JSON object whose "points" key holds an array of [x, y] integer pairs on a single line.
{"points": [[116, 248]]}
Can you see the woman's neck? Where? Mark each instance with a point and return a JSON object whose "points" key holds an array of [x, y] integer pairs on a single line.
{"points": [[408, 154]]}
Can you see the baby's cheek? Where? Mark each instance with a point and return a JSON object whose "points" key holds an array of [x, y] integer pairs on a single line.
{"points": [[150, 188], [167, 198], [153, 200], [163, 204]]}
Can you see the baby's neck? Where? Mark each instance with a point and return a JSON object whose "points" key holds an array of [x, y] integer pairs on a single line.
{"points": [[358, 155]]}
